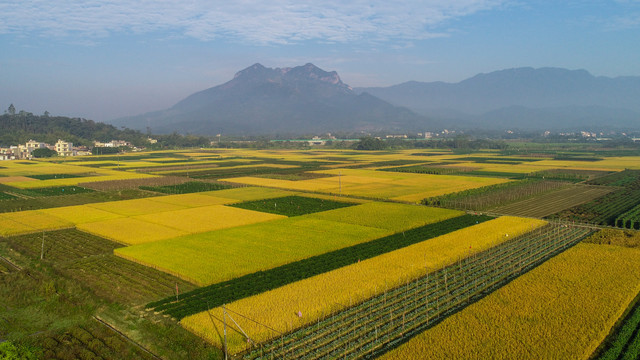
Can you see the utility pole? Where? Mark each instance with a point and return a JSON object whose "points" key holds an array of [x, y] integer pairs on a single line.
{"points": [[224, 319], [42, 249]]}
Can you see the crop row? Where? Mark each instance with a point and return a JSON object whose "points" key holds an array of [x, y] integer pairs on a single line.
{"points": [[186, 188], [553, 201], [123, 281], [605, 209], [428, 169], [90, 341], [494, 195], [622, 178], [625, 342], [630, 219], [61, 245], [380, 323], [217, 294]]}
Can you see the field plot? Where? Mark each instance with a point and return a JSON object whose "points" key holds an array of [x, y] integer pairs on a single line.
{"points": [[135, 207], [292, 205], [377, 184], [207, 218], [30, 221], [495, 195], [186, 188], [606, 209], [622, 178], [322, 294], [80, 214], [211, 257], [90, 341], [553, 202], [122, 281], [9, 227], [130, 231], [193, 200], [261, 281], [389, 216], [60, 246], [249, 193], [554, 311]]}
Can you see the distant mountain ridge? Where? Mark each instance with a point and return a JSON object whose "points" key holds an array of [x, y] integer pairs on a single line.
{"points": [[286, 100], [525, 98]]}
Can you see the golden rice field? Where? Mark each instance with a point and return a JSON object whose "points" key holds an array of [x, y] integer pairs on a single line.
{"points": [[135, 207], [80, 214], [185, 171], [215, 256], [377, 184], [137, 221], [391, 216], [130, 231], [561, 310], [30, 221], [207, 218], [14, 168], [194, 200], [330, 291]]}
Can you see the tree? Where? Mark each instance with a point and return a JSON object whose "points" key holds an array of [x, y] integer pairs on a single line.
{"points": [[43, 153], [11, 110], [369, 143]]}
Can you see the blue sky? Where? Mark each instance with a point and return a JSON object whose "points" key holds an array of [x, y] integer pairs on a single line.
{"points": [[102, 59]]}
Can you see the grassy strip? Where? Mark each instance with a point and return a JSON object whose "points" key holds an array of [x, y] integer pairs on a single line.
{"points": [[251, 284], [292, 205], [48, 191], [186, 188], [55, 176]]}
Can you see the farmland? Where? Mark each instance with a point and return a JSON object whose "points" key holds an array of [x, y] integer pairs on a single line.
{"points": [[322, 292], [322, 253], [554, 311]]}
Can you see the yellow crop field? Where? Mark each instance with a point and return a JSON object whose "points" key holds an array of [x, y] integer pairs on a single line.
{"points": [[304, 185], [37, 220], [130, 231], [321, 294], [248, 193], [135, 207], [192, 200], [9, 227], [377, 184], [562, 309], [80, 214], [390, 216], [207, 218], [215, 256]]}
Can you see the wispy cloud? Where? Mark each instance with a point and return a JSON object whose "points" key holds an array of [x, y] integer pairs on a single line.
{"points": [[252, 21]]}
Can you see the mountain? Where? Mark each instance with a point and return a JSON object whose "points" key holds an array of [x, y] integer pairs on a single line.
{"points": [[523, 97], [262, 100]]}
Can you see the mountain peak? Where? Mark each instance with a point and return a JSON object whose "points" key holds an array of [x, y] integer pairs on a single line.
{"points": [[256, 68]]}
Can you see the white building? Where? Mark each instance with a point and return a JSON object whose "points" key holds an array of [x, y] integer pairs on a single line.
{"points": [[64, 148]]}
